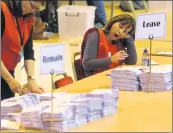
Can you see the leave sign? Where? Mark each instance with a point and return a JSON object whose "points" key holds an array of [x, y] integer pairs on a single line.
{"points": [[150, 24], [52, 57]]}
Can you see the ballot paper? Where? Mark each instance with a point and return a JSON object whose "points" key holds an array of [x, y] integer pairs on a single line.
{"points": [[113, 92], [108, 110], [93, 108], [30, 99], [16, 104], [13, 99], [165, 53], [57, 113], [81, 121], [15, 117], [49, 96], [109, 101], [9, 125], [12, 105], [125, 78], [31, 117], [57, 126], [94, 117], [59, 117], [63, 112], [79, 109], [161, 78], [107, 96]]}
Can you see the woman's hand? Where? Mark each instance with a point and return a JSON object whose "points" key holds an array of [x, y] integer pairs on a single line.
{"points": [[33, 88], [16, 87], [121, 55]]}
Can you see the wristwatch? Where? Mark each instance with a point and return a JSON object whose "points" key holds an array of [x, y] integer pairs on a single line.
{"points": [[31, 77]]}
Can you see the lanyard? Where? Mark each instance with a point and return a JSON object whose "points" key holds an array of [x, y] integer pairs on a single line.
{"points": [[18, 27]]}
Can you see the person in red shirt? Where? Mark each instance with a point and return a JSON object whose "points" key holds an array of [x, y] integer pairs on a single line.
{"points": [[110, 47], [16, 38]]}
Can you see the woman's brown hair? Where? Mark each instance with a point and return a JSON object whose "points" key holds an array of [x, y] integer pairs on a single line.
{"points": [[123, 18]]}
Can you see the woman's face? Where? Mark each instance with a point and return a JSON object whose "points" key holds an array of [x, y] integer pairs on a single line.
{"points": [[119, 31], [30, 6]]}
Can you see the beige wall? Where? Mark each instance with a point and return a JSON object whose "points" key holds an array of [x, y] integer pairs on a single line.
{"points": [[162, 5]]}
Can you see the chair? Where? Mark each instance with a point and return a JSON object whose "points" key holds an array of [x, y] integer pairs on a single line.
{"points": [[66, 80], [76, 67], [63, 81]]}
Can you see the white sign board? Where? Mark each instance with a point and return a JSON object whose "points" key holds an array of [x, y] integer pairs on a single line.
{"points": [[153, 24], [52, 57]]}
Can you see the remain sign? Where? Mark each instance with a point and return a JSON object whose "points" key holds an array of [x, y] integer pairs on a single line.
{"points": [[150, 24], [52, 57]]}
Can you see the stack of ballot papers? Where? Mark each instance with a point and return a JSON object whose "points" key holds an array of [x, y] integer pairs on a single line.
{"points": [[80, 111], [112, 92], [9, 125], [16, 104], [125, 78], [93, 106], [161, 78], [65, 115], [109, 103], [11, 107], [30, 100], [49, 96], [58, 118], [31, 117], [11, 117], [63, 112], [165, 53]]}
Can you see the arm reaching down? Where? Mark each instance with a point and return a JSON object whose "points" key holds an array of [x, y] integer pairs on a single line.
{"points": [[29, 65], [14, 85]]}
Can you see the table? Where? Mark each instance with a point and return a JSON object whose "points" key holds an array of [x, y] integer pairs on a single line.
{"points": [[137, 111], [162, 55]]}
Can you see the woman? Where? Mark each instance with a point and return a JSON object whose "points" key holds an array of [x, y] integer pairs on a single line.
{"points": [[107, 48], [16, 42]]}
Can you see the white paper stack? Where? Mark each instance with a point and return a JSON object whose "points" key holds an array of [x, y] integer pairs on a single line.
{"points": [[60, 126], [64, 111], [65, 115], [60, 99], [9, 125], [94, 106], [12, 117], [112, 92], [30, 100], [161, 78], [12, 105], [109, 103], [80, 110], [125, 78], [49, 96], [58, 118], [31, 117]]}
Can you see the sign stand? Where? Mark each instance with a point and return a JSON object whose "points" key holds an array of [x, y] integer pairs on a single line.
{"points": [[149, 26], [149, 77], [52, 77]]}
